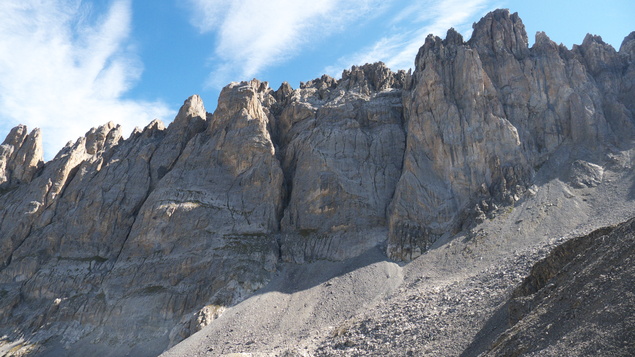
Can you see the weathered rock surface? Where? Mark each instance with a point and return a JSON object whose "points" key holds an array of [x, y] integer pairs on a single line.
{"points": [[581, 296], [460, 147], [205, 232], [343, 144], [584, 174], [20, 157], [127, 246], [482, 115], [148, 225]]}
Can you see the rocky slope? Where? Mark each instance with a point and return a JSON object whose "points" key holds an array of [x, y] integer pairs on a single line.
{"points": [[581, 295], [471, 167]]}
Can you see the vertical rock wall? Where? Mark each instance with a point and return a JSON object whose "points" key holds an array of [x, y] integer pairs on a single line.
{"points": [[343, 153], [482, 115]]}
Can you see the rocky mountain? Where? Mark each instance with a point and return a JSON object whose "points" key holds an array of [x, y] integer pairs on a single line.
{"points": [[383, 213]]}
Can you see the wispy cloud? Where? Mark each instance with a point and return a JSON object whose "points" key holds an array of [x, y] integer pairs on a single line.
{"points": [[64, 67], [409, 28], [253, 34]]}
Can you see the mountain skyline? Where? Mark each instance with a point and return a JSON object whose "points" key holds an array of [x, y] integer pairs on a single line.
{"points": [[69, 65]]}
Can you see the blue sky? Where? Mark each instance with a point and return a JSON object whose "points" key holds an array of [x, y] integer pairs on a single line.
{"points": [[69, 65]]}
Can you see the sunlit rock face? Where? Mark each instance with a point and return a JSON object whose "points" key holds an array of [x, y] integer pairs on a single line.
{"points": [[20, 156], [129, 245], [482, 115]]}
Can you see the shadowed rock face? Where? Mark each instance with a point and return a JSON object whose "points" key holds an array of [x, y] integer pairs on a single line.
{"points": [[138, 242], [342, 144], [580, 296]]}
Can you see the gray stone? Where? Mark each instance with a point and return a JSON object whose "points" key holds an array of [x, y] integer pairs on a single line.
{"points": [[20, 157], [128, 246], [343, 154], [583, 174]]}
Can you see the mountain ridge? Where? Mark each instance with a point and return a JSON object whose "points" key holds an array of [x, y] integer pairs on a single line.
{"points": [[137, 242]]}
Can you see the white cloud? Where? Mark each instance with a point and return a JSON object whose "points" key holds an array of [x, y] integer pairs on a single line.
{"points": [[254, 34], [64, 68], [410, 27]]}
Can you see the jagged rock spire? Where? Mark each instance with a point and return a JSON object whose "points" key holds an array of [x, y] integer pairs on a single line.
{"points": [[20, 156]]}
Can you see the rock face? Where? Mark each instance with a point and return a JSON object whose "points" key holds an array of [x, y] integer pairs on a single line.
{"points": [[342, 144], [127, 246], [20, 157], [482, 115], [460, 146]]}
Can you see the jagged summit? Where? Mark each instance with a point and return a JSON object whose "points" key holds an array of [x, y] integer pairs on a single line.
{"points": [[20, 156], [488, 148], [628, 46]]}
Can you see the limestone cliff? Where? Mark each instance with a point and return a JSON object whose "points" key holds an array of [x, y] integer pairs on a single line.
{"points": [[482, 115], [342, 146], [123, 246]]}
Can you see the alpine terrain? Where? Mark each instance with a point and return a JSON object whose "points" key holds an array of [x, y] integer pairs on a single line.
{"points": [[482, 204]]}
